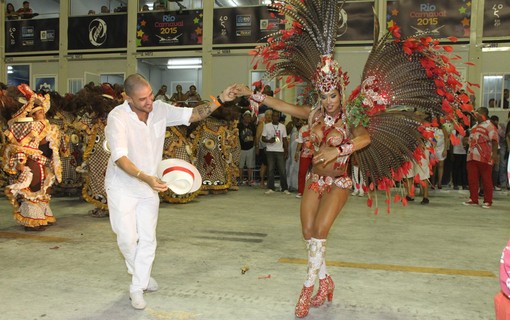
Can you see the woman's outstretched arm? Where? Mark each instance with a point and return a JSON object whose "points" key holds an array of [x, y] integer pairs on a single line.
{"points": [[301, 112]]}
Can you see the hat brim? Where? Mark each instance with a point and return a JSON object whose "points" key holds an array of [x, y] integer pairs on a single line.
{"points": [[172, 162]]}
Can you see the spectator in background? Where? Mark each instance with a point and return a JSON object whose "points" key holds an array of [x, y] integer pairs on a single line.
{"points": [[26, 12], [482, 156], [247, 133], [194, 98], [503, 168], [91, 12], [292, 162], [459, 174], [145, 8], [10, 12], [159, 5], [505, 99], [419, 173], [441, 147], [104, 9], [277, 150], [492, 103], [260, 146], [161, 95], [501, 136], [178, 97]]}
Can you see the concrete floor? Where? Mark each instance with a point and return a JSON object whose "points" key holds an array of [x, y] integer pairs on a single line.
{"points": [[438, 261]]}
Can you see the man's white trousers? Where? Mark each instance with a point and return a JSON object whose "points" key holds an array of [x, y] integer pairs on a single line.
{"points": [[134, 221]]}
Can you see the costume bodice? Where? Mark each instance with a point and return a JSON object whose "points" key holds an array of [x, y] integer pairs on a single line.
{"points": [[332, 134], [329, 131]]}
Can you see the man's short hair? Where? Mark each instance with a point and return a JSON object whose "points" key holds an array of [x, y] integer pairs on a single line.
{"points": [[134, 81], [483, 110]]}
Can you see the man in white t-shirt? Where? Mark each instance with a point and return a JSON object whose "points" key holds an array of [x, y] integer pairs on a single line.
{"points": [[275, 137], [135, 134]]}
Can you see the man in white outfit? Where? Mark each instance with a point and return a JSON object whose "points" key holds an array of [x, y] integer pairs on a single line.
{"points": [[135, 134]]}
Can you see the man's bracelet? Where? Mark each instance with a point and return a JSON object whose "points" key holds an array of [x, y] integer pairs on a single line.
{"points": [[217, 102]]}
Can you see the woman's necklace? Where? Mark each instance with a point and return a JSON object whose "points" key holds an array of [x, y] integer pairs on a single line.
{"points": [[331, 120]]}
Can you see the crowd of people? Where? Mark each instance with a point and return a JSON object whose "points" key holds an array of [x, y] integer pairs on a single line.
{"points": [[25, 12], [189, 99]]}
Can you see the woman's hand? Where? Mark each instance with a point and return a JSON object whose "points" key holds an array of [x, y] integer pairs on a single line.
{"points": [[325, 155]]}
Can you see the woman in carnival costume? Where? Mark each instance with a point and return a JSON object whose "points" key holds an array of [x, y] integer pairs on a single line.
{"points": [[371, 125], [31, 158]]}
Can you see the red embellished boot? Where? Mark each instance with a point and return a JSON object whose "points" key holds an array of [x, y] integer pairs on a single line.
{"points": [[326, 288], [303, 304]]}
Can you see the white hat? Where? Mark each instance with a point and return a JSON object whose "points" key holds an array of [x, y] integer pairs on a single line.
{"points": [[181, 176]]}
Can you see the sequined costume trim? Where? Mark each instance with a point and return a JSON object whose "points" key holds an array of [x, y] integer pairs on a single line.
{"points": [[321, 184]]}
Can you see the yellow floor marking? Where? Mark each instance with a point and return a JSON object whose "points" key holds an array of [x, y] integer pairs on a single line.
{"points": [[16, 235], [390, 267]]}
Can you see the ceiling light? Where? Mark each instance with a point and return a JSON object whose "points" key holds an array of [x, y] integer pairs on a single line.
{"points": [[493, 49], [185, 66], [184, 61]]}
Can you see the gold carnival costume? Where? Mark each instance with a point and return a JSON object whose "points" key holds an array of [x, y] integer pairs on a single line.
{"points": [[32, 159]]}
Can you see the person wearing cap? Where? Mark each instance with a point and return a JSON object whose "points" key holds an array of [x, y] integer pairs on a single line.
{"points": [[135, 134]]}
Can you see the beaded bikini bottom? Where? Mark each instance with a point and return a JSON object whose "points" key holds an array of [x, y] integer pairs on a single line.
{"points": [[321, 184]]}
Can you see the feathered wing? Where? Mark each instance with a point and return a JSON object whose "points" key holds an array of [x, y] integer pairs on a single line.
{"points": [[402, 76]]}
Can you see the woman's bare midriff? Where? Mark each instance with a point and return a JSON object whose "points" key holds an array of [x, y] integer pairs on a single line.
{"points": [[328, 170]]}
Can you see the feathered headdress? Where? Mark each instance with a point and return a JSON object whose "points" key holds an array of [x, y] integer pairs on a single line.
{"points": [[304, 52]]}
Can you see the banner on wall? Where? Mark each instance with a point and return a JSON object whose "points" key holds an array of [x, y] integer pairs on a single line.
{"points": [[97, 32], [252, 24], [31, 35], [496, 22], [170, 28], [244, 25], [356, 22], [439, 18]]}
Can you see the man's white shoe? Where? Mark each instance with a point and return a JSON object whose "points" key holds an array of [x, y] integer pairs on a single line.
{"points": [[286, 192], [269, 191], [137, 300], [152, 286]]}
